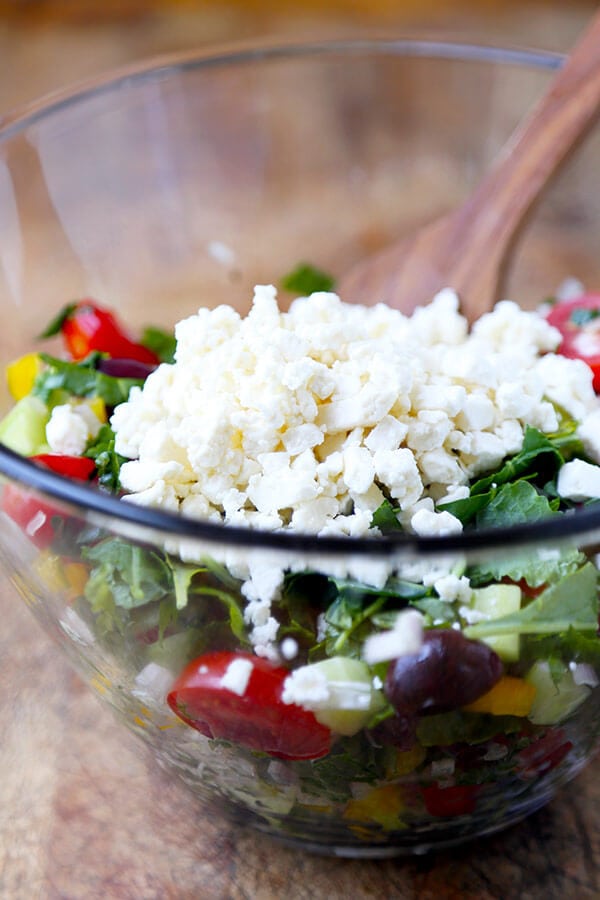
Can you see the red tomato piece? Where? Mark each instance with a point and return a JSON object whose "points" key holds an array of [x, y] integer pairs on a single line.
{"points": [[578, 320], [88, 327], [455, 800], [79, 467], [543, 754], [256, 716], [34, 516]]}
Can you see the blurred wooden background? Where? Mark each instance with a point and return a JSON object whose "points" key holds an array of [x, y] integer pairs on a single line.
{"points": [[45, 44], [80, 814]]}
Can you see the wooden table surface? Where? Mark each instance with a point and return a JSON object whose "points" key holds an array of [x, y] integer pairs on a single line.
{"points": [[83, 813]]}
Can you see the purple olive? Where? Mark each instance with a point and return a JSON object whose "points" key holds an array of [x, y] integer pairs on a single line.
{"points": [[448, 672], [125, 368]]}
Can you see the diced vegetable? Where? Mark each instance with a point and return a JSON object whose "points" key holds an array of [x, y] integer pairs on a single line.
{"points": [[237, 697], [509, 697], [23, 429], [21, 374], [494, 601], [555, 699]]}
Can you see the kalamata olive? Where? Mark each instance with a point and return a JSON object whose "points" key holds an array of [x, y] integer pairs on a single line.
{"points": [[448, 672], [125, 368]]}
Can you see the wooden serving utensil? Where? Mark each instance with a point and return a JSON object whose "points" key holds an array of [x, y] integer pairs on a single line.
{"points": [[468, 248]]}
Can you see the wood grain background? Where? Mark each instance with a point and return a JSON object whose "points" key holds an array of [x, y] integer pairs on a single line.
{"points": [[84, 815]]}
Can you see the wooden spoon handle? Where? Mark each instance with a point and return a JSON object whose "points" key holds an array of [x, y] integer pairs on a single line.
{"points": [[539, 145]]}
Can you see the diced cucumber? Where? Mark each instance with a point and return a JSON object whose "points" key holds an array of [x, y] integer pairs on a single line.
{"points": [[554, 700], [495, 601], [352, 698], [23, 429]]}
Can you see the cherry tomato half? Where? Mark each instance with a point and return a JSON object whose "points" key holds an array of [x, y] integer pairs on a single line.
{"points": [[86, 327], [578, 320], [32, 515], [256, 716]]}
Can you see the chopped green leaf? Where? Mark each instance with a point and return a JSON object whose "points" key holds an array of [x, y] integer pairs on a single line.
{"points": [[513, 504], [160, 342], [538, 456], [133, 575], [108, 462], [55, 326], [81, 379], [385, 518], [306, 279]]}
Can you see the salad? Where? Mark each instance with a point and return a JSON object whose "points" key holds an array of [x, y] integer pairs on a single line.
{"points": [[386, 693]]}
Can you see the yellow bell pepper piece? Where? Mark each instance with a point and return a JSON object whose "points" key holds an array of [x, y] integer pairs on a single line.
{"points": [[22, 373], [98, 407], [76, 575], [509, 697], [381, 805]]}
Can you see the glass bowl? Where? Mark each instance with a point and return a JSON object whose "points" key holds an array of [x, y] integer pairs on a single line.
{"points": [[183, 184]]}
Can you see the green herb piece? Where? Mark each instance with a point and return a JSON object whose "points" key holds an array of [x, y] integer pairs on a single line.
{"points": [[132, 575], [571, 603], [582, 316], [55, 326], [385, 518], [568, 646], [81, 379], [108, 462], [306, 279], [160, 342], [538, 456]]}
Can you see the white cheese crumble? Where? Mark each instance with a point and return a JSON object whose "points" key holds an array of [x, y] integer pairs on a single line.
{"points": [[404, 639], [306, 420], [237, 675], [579, 480], [70, 427]]}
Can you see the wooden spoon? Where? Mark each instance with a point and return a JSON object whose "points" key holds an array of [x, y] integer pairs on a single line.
{"points": [[468, 249]]}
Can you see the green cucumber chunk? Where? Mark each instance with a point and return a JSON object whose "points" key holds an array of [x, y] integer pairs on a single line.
{"points": [[352, 698], [555, 700], [495, 601], [23, 429]]}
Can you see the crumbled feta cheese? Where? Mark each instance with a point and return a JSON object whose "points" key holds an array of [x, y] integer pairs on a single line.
{"points": [[306, 686], [306, 420], [404, 639], [450, 588], [426, 523], [289, 648], [589, 432], [70, 427], [578, 481], [237, 675]]}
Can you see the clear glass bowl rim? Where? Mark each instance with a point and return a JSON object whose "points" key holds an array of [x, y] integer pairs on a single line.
{"points": [[86, 499]]}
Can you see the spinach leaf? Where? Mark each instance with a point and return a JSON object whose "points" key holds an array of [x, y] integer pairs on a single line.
{"points": [[538, 456], [514, 504]]}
